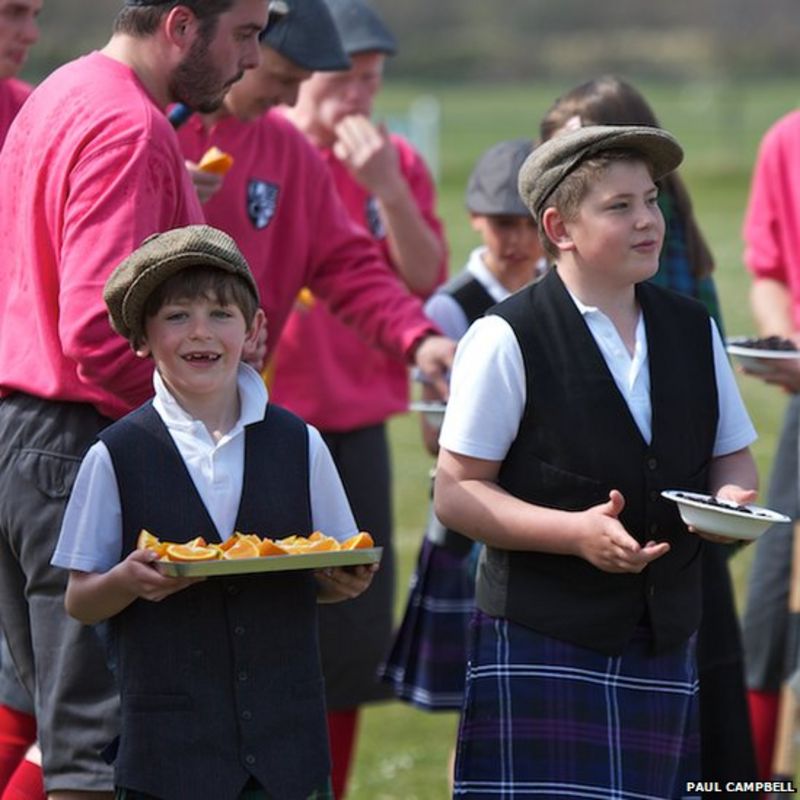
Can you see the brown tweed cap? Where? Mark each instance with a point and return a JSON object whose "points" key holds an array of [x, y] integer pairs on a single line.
{"points": [[551, 162], [159, 257]]}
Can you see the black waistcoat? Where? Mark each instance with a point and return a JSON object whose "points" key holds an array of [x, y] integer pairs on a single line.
{"points": [[470, 294], [578, 440], [474, 301], [220, 681]]}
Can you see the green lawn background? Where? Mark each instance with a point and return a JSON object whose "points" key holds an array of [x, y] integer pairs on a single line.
{"points": [[403, 752]]}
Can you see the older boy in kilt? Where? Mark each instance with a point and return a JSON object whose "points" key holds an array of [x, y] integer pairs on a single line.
{"points": [[573, 405]]}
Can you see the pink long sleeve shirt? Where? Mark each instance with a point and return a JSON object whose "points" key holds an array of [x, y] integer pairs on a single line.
{"points": [[90, 167], [772, 221], [325, 372], [279, 203]]}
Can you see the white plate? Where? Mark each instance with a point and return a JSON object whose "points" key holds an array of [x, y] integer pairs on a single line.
{"points": [[432, 410], [755, 359], [248, 566], [725, 519]]}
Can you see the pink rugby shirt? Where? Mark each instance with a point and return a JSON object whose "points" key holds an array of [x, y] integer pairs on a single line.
{"points": [[13, 93], [325, 372], [279, 203], [90, 167]]}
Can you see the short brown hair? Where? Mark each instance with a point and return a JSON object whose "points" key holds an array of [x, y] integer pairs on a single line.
{"points": [[205, 282], [571, 192], [140, 21]]}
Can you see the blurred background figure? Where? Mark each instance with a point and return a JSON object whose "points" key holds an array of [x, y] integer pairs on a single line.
{"points": [[685, 265], [329, 376], [772, 256], [427, 663]]}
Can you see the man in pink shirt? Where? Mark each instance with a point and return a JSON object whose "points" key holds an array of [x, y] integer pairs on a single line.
{"points": [[329, 375], [90, 167], [772, 255]]}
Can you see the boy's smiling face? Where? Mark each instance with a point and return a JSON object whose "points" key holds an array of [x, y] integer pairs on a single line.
{"points": [[618, 231], [197, 347]]}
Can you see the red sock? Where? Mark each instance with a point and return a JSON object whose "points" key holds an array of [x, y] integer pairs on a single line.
{"points": [[764, 708], [17, 734], [342, 736], [26, 783]]}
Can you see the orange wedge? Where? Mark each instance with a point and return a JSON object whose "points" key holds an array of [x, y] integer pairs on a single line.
{"points": [[242, 548], [147, 541], [185, 552], [214, 160], [321, 545], [270, 548], [359, 541]]}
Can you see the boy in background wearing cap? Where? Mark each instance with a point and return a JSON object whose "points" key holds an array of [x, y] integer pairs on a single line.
{"points": [[427, 663], [203, 666], [428, 659], [573, 404], [332, 377]]}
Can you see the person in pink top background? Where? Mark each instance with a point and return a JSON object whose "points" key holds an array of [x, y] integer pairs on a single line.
{"points": [[771, 233], [90, 168], [279, 203], [327, 374]]}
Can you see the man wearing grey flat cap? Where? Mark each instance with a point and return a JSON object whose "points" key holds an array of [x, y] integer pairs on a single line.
{"points": [[90, 167]]}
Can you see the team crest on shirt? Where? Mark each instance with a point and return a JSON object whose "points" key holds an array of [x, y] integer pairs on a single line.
{"points": [[374, 221], [262, 200]]}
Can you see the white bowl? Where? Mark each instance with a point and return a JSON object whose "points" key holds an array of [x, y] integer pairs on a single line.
{"points": [[431, 410], [725, 519], [756, 359]]}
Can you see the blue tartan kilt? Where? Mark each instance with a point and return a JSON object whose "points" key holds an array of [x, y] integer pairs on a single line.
{"points": [[548, 719], [427, 663]]}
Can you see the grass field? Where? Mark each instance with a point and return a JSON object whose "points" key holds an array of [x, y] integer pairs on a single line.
{"points": [[403, 752]]}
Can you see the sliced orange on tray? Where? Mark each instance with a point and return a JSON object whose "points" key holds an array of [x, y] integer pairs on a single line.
{"points": [[249, 545], [185, 552]]}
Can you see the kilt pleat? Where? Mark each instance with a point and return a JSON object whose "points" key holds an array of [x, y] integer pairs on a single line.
{"points": [[427, 662], [546, 718]]}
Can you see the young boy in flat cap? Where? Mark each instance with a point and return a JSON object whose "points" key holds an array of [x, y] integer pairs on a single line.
{"points": [[573, 404], [221, 690]]}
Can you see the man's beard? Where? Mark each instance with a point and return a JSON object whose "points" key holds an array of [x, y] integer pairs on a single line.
{"points": [[197, 82]]}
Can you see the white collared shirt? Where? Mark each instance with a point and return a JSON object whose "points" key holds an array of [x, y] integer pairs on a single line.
{"points": [[91, 532], [488, 391]]}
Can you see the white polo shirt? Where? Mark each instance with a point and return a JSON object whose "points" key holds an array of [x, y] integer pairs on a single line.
{"points": [[91, 532]]}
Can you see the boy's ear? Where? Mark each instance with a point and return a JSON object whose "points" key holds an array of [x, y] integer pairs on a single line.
{"points": [[142, 349], [256, 335], [556, 229], [475, 221]]}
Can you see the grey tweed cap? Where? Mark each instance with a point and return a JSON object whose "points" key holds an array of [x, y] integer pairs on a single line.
{"points": [[159, 257], [361, 28], [551, 162], [492, 185]]}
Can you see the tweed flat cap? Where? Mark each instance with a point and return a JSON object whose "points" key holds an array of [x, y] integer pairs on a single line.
{"points": [[492, 185], [304, 32], [552, 161], [159, 257], [361, 28]]}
